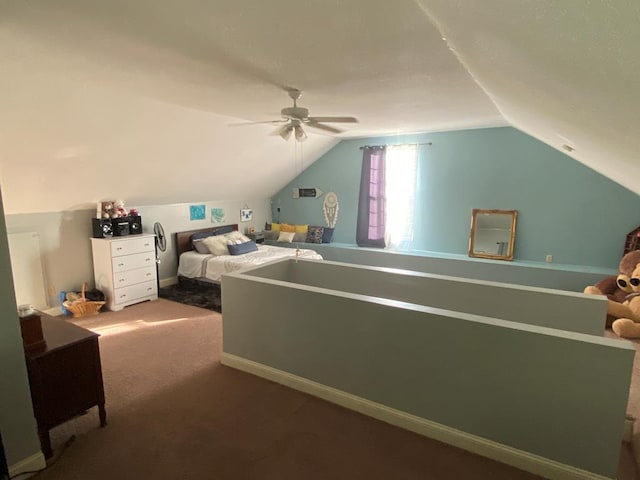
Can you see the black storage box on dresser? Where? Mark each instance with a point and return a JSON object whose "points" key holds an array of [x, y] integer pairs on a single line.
{"points": [[116, 227], [120, 226], [102, 227]]}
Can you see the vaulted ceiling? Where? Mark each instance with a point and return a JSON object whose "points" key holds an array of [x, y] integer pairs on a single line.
{"points": [[133, 99]]}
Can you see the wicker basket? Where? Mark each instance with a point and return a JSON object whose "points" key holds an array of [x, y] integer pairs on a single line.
{"points": [[83, 307]]}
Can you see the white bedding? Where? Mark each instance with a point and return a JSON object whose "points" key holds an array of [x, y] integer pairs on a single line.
{"points": [[198, 265]]}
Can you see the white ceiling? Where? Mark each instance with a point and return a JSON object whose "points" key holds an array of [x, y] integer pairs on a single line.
{"points": [[132, 99]]}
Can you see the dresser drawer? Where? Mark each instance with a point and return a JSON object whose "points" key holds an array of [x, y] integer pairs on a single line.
{"points": [[132, 245], [137, 260], [132, 292], [130, 277]]}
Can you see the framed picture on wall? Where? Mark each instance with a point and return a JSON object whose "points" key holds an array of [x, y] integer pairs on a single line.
{"points": [[196, 212], [217, 215], [246, 215]]}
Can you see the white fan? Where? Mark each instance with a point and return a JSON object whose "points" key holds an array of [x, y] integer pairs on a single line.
{"points": [[295, 118]]}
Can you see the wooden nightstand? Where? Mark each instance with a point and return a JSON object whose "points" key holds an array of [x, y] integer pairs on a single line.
{"points": [[257, 237], [65, 376]]}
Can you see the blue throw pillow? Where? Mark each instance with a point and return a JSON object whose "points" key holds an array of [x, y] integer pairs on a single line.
{"points": [[327, 235], [224, 229], [241, 248], [200, 235]]}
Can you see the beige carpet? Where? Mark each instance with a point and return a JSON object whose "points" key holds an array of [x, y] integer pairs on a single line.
{"points": [[175, 413]]}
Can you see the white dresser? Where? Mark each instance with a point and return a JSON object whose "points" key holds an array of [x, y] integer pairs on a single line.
{"points": [[125, 269]]}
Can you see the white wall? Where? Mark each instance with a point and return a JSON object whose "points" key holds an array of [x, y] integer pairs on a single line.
{"points": [[175, 218], [66, 248], [17, 422]]}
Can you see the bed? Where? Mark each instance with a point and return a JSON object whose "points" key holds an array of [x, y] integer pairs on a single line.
{"points": [[210, 268]]}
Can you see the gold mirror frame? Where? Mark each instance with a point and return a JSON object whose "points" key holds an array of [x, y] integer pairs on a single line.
{"points": [[508, 255]]}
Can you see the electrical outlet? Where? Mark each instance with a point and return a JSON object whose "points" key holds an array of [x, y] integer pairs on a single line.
{"points": [[51, 290], [549, 258]]}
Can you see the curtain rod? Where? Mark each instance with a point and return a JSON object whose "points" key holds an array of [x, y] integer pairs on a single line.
{"points": [[395, 145]]}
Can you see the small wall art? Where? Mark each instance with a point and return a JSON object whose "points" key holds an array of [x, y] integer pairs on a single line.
{"points": [[330, 208], [197, 212], [217, 215], [246, 215]]}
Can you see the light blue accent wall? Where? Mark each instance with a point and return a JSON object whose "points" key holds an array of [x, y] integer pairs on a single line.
{"points": [[565, 209]]}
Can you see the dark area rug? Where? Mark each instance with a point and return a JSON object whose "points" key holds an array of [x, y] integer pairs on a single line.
{"points": [[198, 294]]}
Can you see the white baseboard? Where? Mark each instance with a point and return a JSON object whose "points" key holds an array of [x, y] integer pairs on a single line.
{"points": [[165, 282], [502, 453], [30, 464]]}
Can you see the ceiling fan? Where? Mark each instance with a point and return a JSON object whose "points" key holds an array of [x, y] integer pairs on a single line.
{"points": [[295, 118]]}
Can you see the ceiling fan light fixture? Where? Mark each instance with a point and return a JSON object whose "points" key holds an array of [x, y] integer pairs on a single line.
{"points": [[285, 133], [301, 136]]}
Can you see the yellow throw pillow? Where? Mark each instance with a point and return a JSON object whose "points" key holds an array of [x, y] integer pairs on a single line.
{"points": [[285, 227], [275, 227], [302, 228]]}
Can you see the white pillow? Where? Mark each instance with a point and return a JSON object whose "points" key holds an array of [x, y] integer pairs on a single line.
{"points": [[286, 237], [236, 235], [217, 245]]}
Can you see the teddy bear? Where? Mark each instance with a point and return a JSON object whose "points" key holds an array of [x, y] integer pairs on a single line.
{"points": [[119, 209], [616, 288], [629, 326], [108, 210]]}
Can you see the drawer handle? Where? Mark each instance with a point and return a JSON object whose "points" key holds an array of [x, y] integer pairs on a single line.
{"points": [[118, 248], [121, 280], [148, 274], [147, 244], [148, 259], [121, 264], [123, 295], [149, 289]]}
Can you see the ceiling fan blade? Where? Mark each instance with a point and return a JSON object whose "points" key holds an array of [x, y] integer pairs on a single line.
{"points": [[319, 126], [255, 123], [334, 119]]}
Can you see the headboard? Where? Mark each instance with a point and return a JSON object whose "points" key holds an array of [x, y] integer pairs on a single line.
{"points": [[183, 239]]}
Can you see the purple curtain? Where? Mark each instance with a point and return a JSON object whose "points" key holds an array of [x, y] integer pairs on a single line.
{"points": [[371, 206]]}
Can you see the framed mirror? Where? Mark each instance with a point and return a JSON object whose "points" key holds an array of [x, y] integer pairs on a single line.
{"points": [[493, 233]]}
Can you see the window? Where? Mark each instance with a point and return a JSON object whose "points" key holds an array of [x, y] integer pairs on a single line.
{"points": [[387, 197], [400, 192]]}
